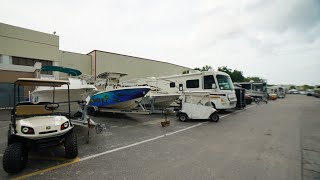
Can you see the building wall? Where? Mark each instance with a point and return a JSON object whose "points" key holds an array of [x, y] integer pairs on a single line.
{"points": [[81, 62], [133, 66], [20, 42]]}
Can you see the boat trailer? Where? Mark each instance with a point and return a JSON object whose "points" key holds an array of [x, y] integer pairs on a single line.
{"points": [[86, 121]]}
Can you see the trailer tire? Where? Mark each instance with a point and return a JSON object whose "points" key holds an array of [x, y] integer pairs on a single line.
{"points": [[182, 117], [71, 146], [214, 117], [15, 158]]}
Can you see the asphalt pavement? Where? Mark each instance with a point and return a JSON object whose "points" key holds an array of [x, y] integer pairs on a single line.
{"points": [[278, 140]]}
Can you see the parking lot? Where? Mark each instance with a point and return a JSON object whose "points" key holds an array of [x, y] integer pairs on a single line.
{"points": [[278, 140]]}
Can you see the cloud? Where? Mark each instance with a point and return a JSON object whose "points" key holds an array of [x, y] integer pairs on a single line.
{"points": [[259, 37]]}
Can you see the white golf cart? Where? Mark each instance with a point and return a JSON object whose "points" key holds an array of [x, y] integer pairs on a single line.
{"points": [[37, 126], [197, 105]]}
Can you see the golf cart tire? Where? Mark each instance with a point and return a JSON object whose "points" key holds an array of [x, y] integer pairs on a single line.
{"points": [[214, 117], [71, 146], [15, 158], [182, 117]]}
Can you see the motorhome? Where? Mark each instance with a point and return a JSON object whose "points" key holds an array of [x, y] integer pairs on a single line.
{"points": [[219, 84], [281, 91], [254, 89]]}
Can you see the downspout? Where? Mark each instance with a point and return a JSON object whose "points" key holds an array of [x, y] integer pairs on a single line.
{"points": [[95, 65]]}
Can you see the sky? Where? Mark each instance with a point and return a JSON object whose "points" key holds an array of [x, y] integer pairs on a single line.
{"points": [[278, 40]]}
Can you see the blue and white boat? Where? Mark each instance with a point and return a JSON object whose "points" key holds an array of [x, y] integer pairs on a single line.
{"points": [[114, 95]]}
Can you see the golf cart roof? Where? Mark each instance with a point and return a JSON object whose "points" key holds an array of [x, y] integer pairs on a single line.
{"points": [[40, 82]]}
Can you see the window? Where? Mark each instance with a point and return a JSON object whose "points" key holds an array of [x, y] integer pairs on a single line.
{"points": [[31, 62], [208, 81], [172, 84], [5, 59], [180, 87], [224, 82], [246, 86], [193, 83]]}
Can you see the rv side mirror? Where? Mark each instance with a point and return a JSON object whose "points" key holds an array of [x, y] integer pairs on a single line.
{"points": [[214, 86]]}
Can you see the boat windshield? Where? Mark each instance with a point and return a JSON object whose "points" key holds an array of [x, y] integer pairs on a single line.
{"points": [[224, 82]]}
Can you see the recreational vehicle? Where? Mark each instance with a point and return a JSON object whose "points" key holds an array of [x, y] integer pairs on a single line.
{"points": [[219, 84], [254, 89]]}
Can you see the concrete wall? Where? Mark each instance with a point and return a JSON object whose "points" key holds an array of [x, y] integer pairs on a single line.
{"points": [[82, 62], [133, 66], [16, 41]]}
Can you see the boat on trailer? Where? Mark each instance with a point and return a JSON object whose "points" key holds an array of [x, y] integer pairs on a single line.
{"points": [[79, 89], [112, 95], [157, 97]]}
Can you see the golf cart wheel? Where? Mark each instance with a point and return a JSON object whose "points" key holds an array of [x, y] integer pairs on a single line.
{"points": [[182, 117], [71, 146], [15, 158], [214, 117]]}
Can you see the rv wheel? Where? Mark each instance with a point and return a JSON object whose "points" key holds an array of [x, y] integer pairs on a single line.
{"points": [[214, 117], [15, 158], [182, 117], [71, 146]]}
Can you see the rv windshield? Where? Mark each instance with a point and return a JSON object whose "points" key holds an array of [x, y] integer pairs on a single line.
{"points": [[224, 82]]}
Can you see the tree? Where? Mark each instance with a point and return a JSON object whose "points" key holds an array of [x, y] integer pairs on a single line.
{"points": [[292, 87], [236, 76], [254, 78], [185, 72], [306, 87], [204, 68]]}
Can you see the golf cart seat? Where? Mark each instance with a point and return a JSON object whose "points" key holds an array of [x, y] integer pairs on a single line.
{"points": [[31, 109]]}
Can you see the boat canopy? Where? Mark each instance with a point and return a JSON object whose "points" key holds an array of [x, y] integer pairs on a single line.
{"points": [[73, 72], [104, 75], [40, 82]]}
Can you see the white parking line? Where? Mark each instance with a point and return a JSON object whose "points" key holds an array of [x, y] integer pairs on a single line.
{"points": [[151, 139]]}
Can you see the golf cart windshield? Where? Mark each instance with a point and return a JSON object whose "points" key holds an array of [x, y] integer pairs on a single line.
{"points": [[44, 108], [197, 97]]}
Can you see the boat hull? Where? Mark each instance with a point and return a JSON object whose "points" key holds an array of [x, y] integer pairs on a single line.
{"points": [[124, 98], [160, 100]]}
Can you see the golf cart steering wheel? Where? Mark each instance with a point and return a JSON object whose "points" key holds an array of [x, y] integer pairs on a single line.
{"points": [[51, 106]]}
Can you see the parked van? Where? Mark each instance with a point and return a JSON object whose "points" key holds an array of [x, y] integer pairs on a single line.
{"points": [[219, 84]]}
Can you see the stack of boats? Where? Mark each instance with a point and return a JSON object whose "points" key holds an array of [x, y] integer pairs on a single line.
{"points": [[104, 91]]}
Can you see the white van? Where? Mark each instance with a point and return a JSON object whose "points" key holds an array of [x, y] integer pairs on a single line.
{"points": [[219, 84]]}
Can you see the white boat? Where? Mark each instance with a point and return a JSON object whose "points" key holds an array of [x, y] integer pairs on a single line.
{"points": [[114, 96], [156, 97], [79, 90]]}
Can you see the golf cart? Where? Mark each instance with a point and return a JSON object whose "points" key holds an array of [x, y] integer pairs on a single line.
{"points": [[197, 105], [37, 126]]}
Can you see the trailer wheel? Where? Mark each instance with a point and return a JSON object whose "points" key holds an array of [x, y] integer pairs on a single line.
{"points": [[15, 158], [182, 117], [214, 117], [71, 146]]}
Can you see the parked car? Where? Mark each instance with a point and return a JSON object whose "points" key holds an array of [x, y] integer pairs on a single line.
{"points": [[248, 99], [293, 91], [310, 92]]}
